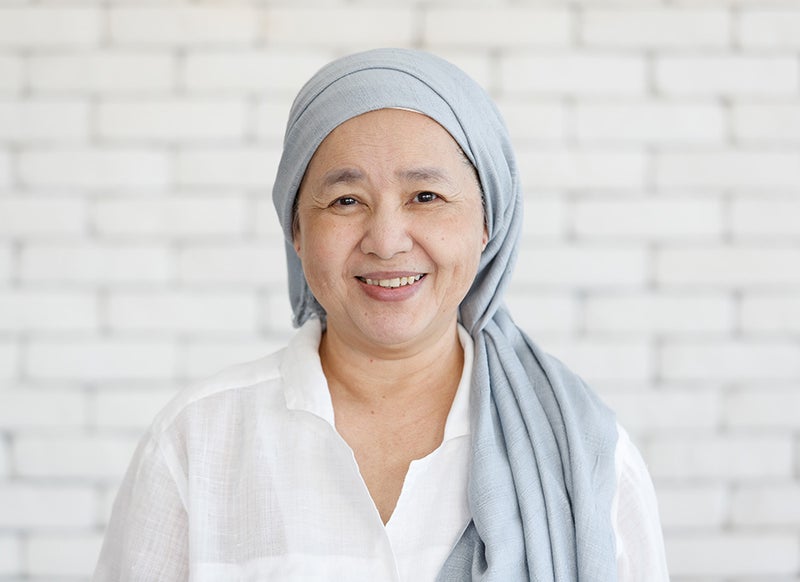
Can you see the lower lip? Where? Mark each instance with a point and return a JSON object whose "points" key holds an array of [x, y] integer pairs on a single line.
{"points": [[391, 293]]}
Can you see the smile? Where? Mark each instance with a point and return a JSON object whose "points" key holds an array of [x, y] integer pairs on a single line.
{"points": [[392, 283]]}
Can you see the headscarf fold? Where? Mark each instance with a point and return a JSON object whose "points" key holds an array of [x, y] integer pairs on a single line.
{"points": [[542, 474]]}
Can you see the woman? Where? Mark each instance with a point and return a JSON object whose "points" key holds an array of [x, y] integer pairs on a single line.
{"points": [[409, 431]]}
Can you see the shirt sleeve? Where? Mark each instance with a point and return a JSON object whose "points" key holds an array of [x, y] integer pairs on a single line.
{"points": [[640, 542], [147, 537]]}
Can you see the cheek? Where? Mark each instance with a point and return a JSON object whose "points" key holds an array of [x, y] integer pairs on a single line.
{"points": [[322, 247]]}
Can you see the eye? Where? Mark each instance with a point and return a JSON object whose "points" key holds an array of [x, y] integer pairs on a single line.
{"points": [[345, 201], [426, 197]]}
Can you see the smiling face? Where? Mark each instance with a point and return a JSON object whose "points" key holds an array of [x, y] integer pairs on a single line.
{"points": [[389, 229]]}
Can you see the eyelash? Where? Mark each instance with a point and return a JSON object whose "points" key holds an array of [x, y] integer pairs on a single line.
{"points": [[424, 197]]}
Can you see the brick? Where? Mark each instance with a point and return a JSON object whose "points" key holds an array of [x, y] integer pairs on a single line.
{"points": [[183, 25], [73, 456], [538, 313], [770, 313], [26, 505], [581, 74], [172, 120], [322, 26], [108, 495], [767, 505], [772, 27], [639, 219], [765, 218], [47, 27], [95, 360], [183, 312], [200, 359], [533, 121], [129, 408], [731, 360], [492, 27], [266, 221], [692, 506], [5, 462], [250, 167], [603, 361], [9, 358], [41, 216], [652, 411], [733, 456], [33, 408], [270, 120], [742, 169], [763, 407], [11, 75], [94, 168], [545, 217], [747, 267], [5, 170], [719, 555], [659, 313], [173, 217], [655, 28], [582, 266], [594, 169], [44, 120], [777, 123], [235, 72], [234, 263], [10, 555], [83, 263], [7, 261], [726, 75], [277, 315], [105, 73], [62, 555], [650, 122]]}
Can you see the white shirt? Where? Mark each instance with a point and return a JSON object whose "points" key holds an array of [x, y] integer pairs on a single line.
{"points": [[244, 477]]}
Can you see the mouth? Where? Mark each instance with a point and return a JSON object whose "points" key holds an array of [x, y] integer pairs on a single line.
{"points": [[392, 283]]}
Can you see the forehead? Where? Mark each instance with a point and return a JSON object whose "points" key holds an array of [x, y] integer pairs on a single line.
{"points": [[394, 134]]}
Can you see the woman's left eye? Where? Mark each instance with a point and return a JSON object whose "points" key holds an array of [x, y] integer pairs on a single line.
{"points": [[425, 197]]}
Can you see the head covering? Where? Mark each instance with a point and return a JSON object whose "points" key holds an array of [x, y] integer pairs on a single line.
{"points": [[542, 474]]}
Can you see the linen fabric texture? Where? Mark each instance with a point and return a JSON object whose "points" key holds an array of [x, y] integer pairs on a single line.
{"points": [[542, 472]]}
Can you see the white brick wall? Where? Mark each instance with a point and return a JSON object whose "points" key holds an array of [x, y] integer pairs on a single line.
{"points": [[50, 27], [93, 71], [656, 28], [659, 149]]}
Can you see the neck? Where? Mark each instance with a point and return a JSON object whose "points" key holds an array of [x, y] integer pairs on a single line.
{"points": [[421, 374]]}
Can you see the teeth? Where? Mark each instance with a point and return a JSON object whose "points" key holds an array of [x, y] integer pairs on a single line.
{"points": [[393, 283]]}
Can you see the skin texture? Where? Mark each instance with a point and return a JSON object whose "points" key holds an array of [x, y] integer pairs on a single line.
{"points": [[387, 195]]}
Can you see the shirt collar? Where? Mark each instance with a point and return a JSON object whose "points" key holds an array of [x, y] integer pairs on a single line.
{"points": [[306, 388]]}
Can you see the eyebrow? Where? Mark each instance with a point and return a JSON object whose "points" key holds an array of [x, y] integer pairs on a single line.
{"points": [[354, 175], [342, 176], [424, 174]]}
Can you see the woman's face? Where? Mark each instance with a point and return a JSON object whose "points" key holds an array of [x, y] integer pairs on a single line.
{"points": [[389, 229]]}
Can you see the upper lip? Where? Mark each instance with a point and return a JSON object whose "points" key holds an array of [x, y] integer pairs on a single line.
{"points": [[381, 275]]}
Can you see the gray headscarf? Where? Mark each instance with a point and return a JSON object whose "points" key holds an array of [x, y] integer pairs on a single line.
{"points": [[542, 474]]}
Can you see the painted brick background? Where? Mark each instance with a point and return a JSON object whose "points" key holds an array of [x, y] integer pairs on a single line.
{"points": [[659, 142]]}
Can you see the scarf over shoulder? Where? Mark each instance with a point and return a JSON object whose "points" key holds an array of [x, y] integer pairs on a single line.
{"points": [[542, 475]]}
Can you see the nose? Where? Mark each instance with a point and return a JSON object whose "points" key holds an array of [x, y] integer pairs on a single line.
{"points": [[386, 233]]}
